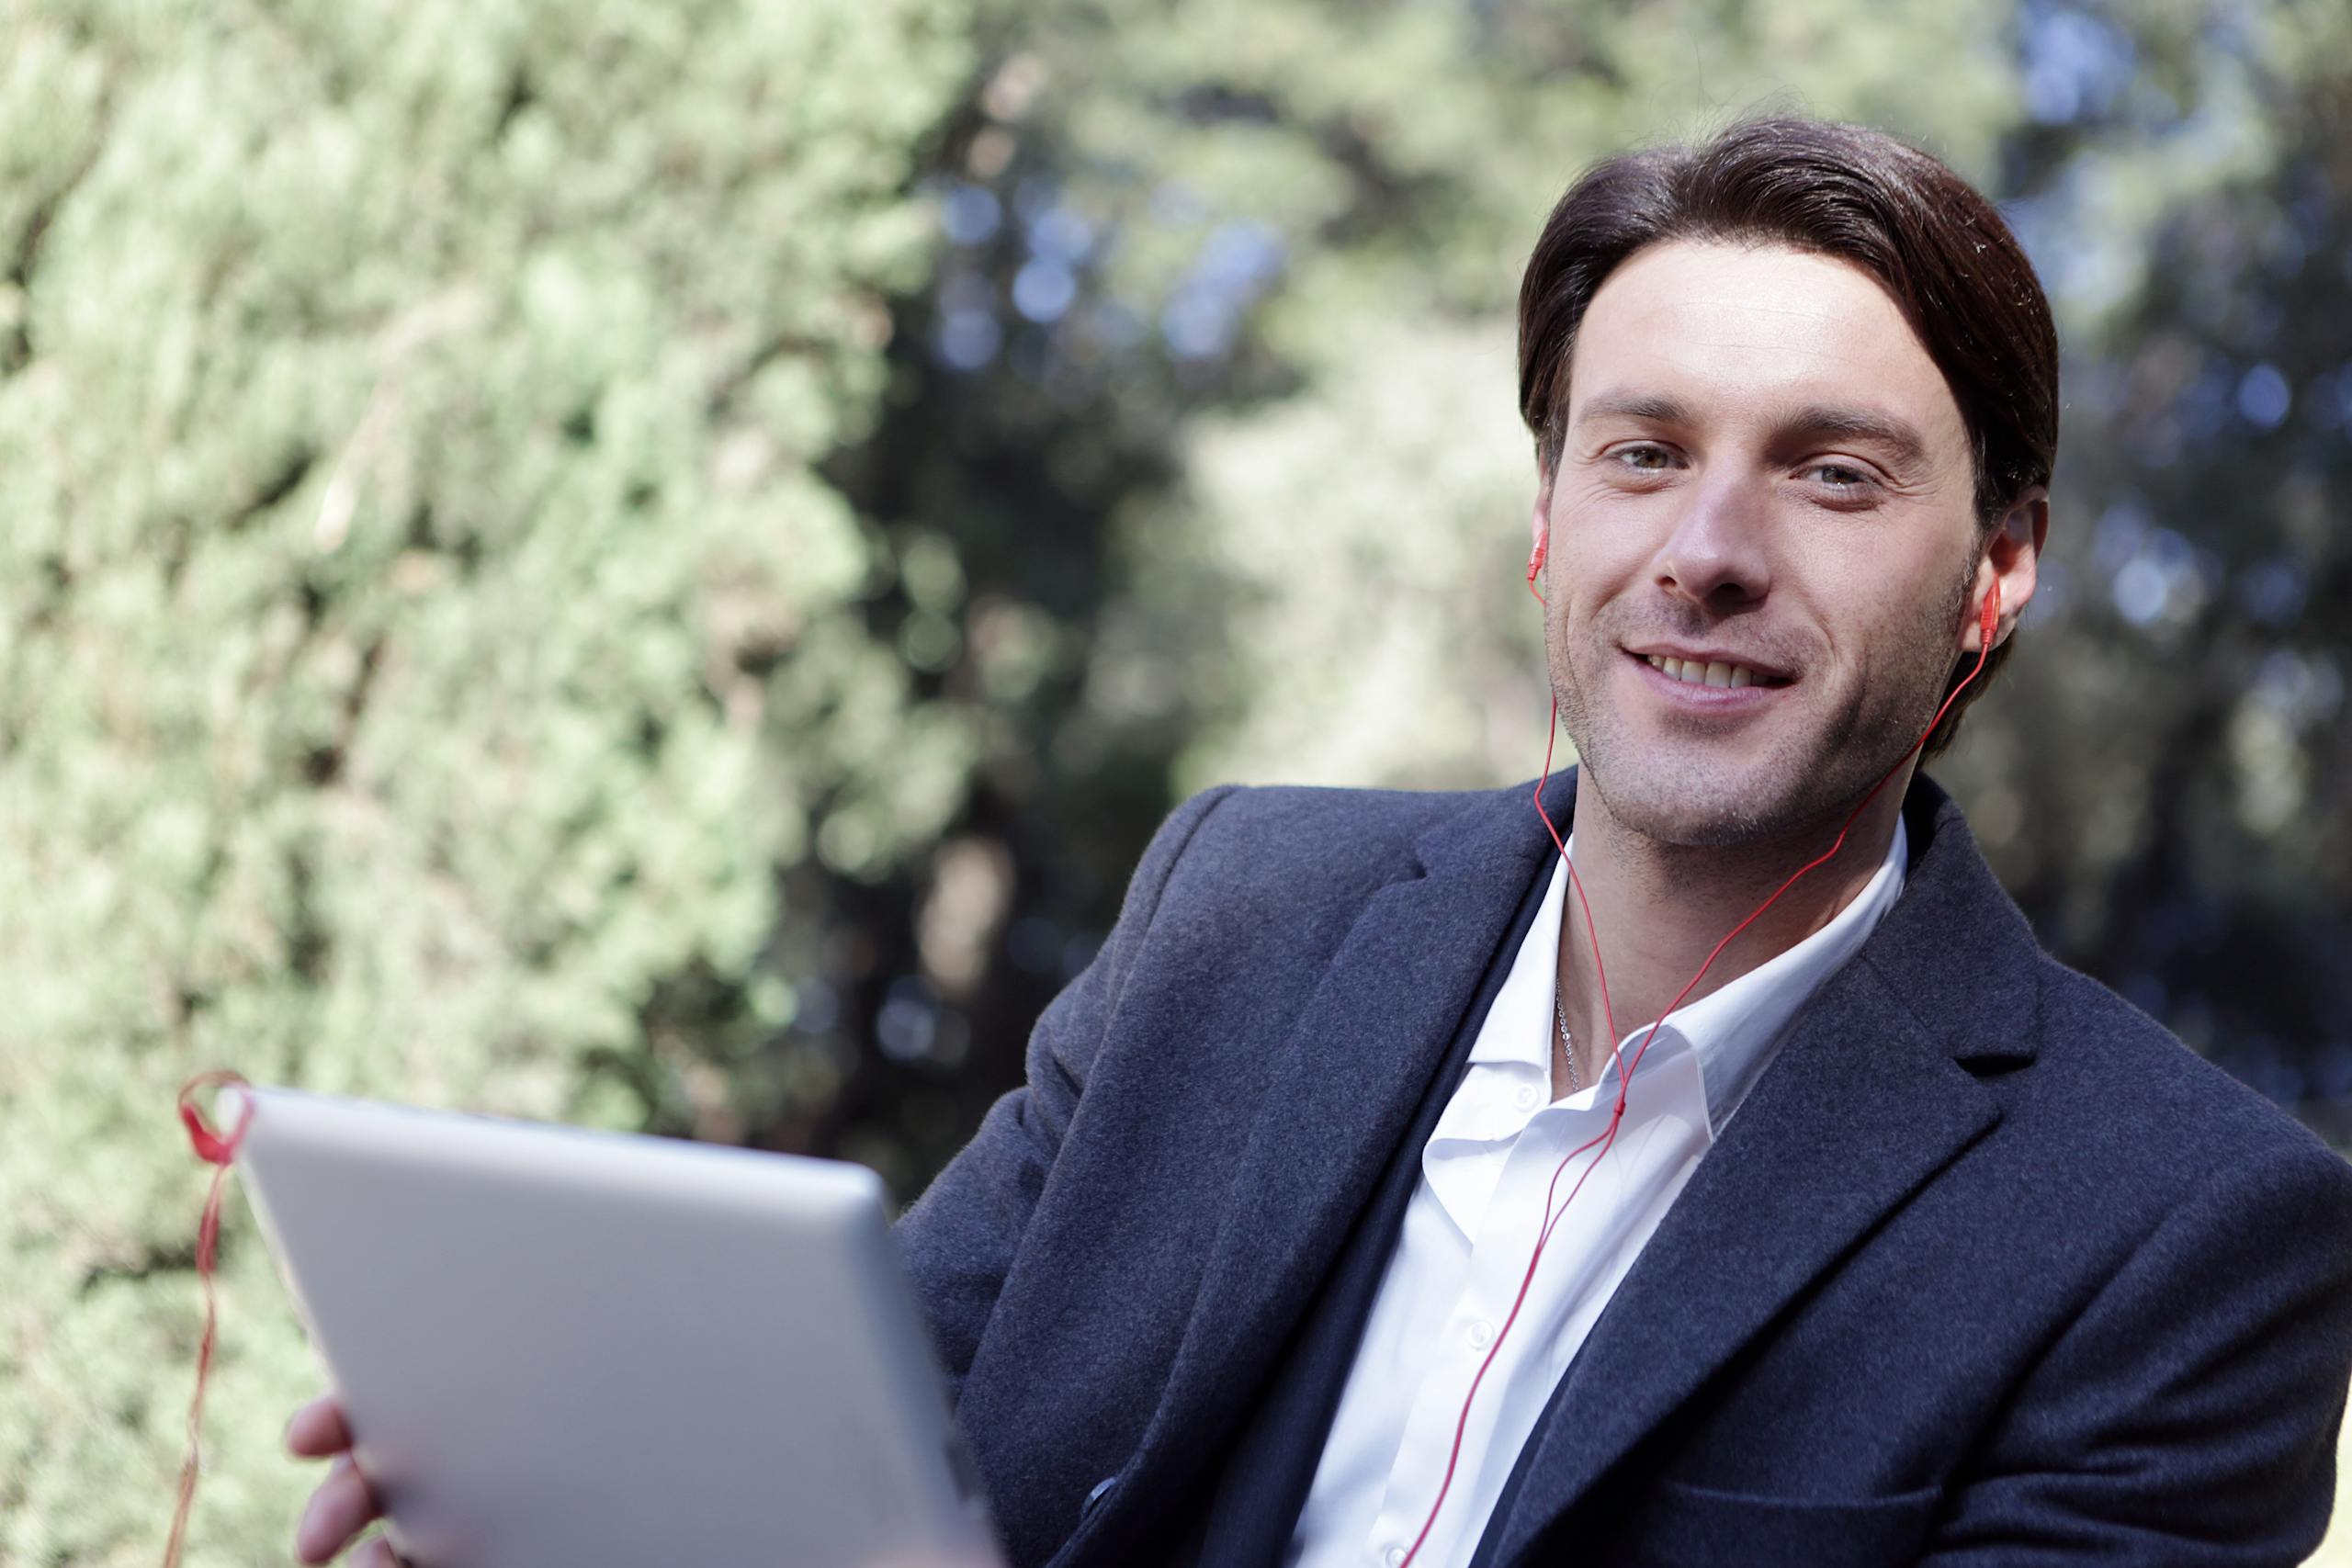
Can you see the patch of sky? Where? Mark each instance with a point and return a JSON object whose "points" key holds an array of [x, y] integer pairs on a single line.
{"points": [[2264, 396], [968, 333], [970, 214], [1059, 234], [2118, 534], [2155, 575], [967, 339], [2075, 64], [2038, 221], [1236, 263], [1043, 290], [2079, 261], [1195, 325], [907, 1024], [1244, 254], [2140, 591]]}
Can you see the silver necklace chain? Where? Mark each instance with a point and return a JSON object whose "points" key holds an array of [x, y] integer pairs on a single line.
{"points": [[1567, 1043]]}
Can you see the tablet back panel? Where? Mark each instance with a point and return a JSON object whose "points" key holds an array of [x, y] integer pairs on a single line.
{"points": [[562, 1347]]}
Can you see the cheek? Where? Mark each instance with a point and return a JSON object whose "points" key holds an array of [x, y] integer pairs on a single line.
{"points": [[1874, 612], [1600, 544]]}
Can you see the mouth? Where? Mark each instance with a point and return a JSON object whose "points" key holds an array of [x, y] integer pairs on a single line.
{"points": [[1717, 673]]}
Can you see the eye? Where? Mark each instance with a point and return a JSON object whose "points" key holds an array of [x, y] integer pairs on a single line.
{"points": [[1839, 478], [1643, 457]]}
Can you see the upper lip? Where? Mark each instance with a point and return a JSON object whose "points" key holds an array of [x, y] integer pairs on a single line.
{"points": [[1709, 655]]}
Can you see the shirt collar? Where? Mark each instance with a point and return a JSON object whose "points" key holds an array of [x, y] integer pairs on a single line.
{"points": [[1732, 1030]]}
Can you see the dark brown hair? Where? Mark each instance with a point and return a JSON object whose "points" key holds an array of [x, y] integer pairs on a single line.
{"points": [[1936, 245]]}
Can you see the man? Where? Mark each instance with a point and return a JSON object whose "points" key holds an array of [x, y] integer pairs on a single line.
{"points": [[1379, 1195]]}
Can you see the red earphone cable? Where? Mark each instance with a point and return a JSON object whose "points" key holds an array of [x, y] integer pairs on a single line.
{"points": [[1987, 622], [219, 1151]]}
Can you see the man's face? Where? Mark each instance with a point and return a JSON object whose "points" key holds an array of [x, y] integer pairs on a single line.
{"points": [[1764, 481]]}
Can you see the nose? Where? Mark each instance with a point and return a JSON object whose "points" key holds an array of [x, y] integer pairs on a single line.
{"points": [[1714, 556]]}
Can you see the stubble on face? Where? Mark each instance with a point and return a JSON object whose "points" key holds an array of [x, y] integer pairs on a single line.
{"points": [[1689, 796]]}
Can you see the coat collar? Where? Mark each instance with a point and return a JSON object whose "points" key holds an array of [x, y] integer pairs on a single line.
{"points": [[1953, 934]]}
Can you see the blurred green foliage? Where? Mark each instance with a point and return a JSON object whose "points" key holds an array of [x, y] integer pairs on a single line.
{"points": [[653, 562], [426, 628]]}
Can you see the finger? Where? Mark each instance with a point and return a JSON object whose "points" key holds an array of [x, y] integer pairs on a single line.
{"points": [[375, 1552], [317, 1430], [340, 1508]]}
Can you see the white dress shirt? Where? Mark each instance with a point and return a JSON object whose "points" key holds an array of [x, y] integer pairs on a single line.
{"points": [[1474, 1219]]}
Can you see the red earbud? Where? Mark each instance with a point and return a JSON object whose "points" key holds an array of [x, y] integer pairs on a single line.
{"points": [[1990, 620], [1535, 564]]}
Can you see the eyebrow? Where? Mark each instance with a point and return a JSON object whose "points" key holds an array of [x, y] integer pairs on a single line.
{"points": [[1904, 444], [1903, 441], [1654, 407]]}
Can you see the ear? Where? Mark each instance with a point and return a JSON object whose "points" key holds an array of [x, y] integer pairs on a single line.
{"points": [[1539, 532], [2012, 559]]}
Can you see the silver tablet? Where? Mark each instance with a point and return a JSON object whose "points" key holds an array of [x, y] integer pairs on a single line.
{"points": [[603, 1352]]}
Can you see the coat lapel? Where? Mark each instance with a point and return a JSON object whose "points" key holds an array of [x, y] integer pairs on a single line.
{"points": [[1354, 1070], [1863, 1105]]}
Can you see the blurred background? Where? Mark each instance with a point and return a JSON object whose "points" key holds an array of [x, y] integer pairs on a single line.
{"points": [[654, 562]]}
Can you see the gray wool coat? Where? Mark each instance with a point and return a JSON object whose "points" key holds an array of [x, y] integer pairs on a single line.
{"points": [[1989, 1268]]}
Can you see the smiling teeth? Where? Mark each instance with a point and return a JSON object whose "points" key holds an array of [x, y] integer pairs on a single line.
{"points": [[1697, 672]]}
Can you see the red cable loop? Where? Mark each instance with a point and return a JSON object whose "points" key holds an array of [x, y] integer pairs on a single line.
{"points": [[219, 1151], [1607, 1137]]}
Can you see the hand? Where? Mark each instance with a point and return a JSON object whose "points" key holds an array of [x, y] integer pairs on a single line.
{"points": [[343, 1506]]}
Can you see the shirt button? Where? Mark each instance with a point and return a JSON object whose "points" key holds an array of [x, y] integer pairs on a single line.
{"points": [[1527, 1098], [1393, 1557], [1482, 1334]]}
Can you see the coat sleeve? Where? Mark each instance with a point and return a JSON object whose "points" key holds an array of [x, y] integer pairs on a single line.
{"points": [[2189, 1414], [960, 1237]]}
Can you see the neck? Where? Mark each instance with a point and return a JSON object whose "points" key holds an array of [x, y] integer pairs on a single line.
{"points": [[1662, 908]]}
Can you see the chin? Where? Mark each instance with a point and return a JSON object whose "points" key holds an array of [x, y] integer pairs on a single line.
{"points": [[1688, 821], [1695, 803]]}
